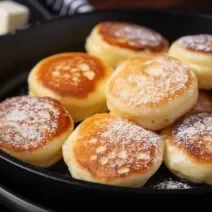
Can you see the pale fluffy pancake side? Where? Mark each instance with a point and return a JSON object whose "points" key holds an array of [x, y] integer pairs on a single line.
{"points": [[110, 150], [34, 129], [154, 93], [115, 41], [188, 150], [77, 80], [196, 51]]}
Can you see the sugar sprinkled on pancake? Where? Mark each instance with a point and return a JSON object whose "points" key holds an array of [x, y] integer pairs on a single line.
{"points": [[28, 123], [194, 135], [131, 36], [199, 43], [110, 147], [151, 83]]}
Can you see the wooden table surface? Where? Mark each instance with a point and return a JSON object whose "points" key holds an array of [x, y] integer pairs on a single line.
{"points": [[192, 5]]}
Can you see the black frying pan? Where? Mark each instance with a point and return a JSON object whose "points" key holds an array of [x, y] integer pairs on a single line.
{"points": [[20, 51]]}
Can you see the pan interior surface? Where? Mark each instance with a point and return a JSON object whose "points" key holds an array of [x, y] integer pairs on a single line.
{"points": [[24, 49]]}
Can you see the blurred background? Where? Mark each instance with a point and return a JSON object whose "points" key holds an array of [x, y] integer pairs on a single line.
{"points": [[194, 5], [189, 5]]}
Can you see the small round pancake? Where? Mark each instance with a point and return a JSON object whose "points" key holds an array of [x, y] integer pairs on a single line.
{"points": [[110, 150], [196, 51], [33, 129], [114, 41], [76, 79], [154, 93], [203, 104], [188, 148]]}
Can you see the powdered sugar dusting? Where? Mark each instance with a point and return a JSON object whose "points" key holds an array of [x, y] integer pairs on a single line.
{"points": [[126, 145], [171, 184], [26, 121], [194, 133], [124, 131], [153, 82], [133, 35], [201, 42]]}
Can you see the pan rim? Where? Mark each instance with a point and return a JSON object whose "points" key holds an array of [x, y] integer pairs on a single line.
{"points": [[168, 11], [83, 184], [68, 180]]}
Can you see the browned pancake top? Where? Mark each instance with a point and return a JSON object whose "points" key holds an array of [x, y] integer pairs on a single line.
{"points": [[193, 134], [150, 83], [203, 104], [131, 36], [28, 123], [71, 74], [198, 43], [110, 147]]}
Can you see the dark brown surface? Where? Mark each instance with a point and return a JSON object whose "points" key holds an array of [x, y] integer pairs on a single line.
{"points": [[194, 5], [132, 36], [204, 103], [192, 135]]}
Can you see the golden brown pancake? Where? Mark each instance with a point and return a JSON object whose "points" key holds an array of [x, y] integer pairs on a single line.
{"points": [[115, 41], [154, 93], [188, 152], [203, 104], [132, 36], [110, 150], [77, 80], [196, 51], [33, 129]]}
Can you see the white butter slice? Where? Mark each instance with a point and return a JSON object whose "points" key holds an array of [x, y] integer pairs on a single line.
{"points": [[12, 16]]}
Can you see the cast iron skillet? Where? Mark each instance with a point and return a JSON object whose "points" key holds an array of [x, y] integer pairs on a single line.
{"points": [[21, 50]]}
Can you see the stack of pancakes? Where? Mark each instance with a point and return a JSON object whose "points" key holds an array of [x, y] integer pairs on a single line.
{"points": [[118, 111]]}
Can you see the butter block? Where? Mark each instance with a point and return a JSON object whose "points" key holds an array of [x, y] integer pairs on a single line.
{"points": [[12, 16]]}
